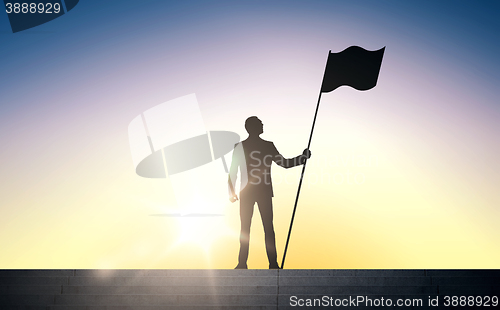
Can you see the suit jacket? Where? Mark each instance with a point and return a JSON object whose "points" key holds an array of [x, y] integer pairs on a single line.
{"points": [[254, 157]]}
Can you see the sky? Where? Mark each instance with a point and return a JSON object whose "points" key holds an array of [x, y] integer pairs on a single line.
{"points": [[404, 175]]}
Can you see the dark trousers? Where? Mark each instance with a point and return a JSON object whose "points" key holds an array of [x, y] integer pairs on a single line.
{"points": [[265, 203]]}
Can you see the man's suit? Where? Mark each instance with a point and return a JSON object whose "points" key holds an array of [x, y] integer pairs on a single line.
{"points": [[254, 157]]}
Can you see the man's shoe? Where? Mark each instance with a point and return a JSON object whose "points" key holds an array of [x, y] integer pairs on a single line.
{"points": [[274, 266], [241, 266]]}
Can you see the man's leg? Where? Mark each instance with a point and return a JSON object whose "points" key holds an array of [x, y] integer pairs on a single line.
{"points": [[266, 213], [246, 212]]}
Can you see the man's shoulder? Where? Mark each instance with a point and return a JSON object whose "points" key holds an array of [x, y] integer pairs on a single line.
{"points": [[256, 144], [270, 145], [266, 143]]}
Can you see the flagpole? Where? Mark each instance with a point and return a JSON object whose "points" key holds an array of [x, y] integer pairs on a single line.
{"points": [[302, 174]]}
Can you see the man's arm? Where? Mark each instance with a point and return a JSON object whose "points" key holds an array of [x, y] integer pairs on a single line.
{"points": [[233, 171], [291, 162]]}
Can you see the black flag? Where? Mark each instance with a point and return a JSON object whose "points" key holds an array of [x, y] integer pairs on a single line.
{"points": [[354, 66]]}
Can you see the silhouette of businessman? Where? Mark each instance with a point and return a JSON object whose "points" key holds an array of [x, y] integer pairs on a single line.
{"points": [[254, 157]]}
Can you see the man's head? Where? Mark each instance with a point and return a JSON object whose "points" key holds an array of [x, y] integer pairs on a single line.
{"points": [[254, 126]]}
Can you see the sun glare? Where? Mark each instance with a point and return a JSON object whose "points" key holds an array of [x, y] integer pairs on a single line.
{"points": [[198, 231], [199, 228]]}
